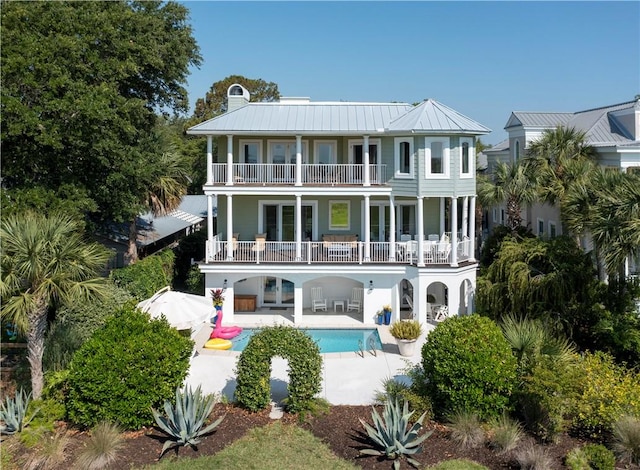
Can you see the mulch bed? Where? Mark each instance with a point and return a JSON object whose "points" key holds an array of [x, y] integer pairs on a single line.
{"points": [[340, 429]]}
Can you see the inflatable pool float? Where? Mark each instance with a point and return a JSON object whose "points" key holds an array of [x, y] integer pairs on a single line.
{"points": [[224, 332], [218, 343]]}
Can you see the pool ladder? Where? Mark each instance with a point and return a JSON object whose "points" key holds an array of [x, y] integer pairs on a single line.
{"points": [[372, 348]]}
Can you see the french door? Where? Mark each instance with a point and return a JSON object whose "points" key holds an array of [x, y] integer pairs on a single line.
{"points": [[277, 292], [279, 221]]}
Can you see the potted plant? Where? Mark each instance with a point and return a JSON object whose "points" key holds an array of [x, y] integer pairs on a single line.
{"points": [[386, 310], [379, 317], [406, 333], [218, 298]]}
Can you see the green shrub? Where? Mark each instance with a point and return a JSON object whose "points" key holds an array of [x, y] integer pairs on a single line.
{"points": [[74, 324], [591, 457], [147, 276], [48, 413], [126, 368], [504, 434], [466, 429], [468, 365], [547, 396], [195, 280], [406, 329], [626, 438], [608, 392], [253, 389]]}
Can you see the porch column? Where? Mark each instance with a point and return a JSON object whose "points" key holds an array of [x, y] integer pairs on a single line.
{"points": [[367, 229], [298, 227], [298, 160], [209, 251], [453, 294], [454, 232], [229, 227], [465, 216], [420, 229], [472, 229], [297, 303], [442, 227], [209, 159], [365, 161], [392, 229], [229, 159]]}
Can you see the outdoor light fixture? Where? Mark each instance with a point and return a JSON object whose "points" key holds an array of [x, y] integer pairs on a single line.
{"points": [[224, 285], [370, 286]]}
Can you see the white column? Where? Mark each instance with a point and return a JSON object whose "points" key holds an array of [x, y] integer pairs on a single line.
{"points": [[392, 229], [209, 159], [367, 229], [453, 294], [229, 227], [365, 161], [297, 303], [472, 229], [420, 229], [298, 227], [298, 160], [465, 216], [209, 251], [454, 233], [229, 159], [442, 227]]}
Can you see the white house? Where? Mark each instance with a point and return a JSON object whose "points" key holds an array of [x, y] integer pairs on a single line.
{"points": [[614, 132], [325, 206]]}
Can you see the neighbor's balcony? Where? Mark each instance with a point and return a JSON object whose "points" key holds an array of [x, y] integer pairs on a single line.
{"points": [[312, 252], [287, 174]]}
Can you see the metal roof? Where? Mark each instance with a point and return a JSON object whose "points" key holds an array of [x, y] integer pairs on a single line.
{"points": [[432, 116], [533, 119], [325, 118], [192, 210]]}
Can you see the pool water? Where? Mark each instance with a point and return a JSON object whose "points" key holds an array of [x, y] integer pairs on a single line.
{"points": [[329, 340]]}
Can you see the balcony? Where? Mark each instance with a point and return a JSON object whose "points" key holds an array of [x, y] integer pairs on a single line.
{"points": [[286, 174], [312, 252]]}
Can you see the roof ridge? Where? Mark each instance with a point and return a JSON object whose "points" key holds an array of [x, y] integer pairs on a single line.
{"points": [[605, 107]]}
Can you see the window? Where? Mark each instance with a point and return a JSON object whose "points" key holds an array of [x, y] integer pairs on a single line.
{"points": [[540, 227], [250, 151], [516, 151], [502, 218], [325, 152], [404, 157], [285, 151], [552, 229], [467, 157], [495, 215], [339, 215], [437, 157]]}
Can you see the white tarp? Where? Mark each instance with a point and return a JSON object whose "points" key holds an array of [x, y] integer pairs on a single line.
{"points": [[183, 311]]}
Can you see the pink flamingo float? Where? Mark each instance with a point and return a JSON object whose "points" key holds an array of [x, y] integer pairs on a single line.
{"points": [[224, 332]]}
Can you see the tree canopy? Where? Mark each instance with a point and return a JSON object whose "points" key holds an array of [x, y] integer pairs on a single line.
{"points": [[82, 84]]}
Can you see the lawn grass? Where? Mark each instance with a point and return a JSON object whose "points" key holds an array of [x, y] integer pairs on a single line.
{"points": [[274, 447], [458, 464]]}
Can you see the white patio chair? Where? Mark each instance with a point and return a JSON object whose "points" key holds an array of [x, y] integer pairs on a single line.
{"points": [[405, 237], [318, 302], [260, 243], [355, 303], [442, 313]]}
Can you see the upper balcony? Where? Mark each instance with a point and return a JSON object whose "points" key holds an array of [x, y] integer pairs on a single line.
{"points": [[290, 174]]}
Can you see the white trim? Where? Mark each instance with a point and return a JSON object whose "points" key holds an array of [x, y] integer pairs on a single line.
{"points": [[340, 201], [516, 150], [242, 143], [281, 202], [445, 141], [495, 215], [538, 232], [334, 151], [398, 173], [291, 156], [375, 142], [552, 223], [471, 156]]}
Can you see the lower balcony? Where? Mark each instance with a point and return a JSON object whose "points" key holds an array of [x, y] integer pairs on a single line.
{"points": [[357, 252]]}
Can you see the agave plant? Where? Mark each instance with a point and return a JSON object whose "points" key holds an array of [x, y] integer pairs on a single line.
{"points": [[13, 413], [184, 422], [392, 434]]}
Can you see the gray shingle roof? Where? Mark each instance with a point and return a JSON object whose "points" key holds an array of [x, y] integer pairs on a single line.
{"points": [[325, 118]]}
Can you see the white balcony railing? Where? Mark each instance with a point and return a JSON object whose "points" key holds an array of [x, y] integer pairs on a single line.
{"points": [[334, 252], [285, 173]]}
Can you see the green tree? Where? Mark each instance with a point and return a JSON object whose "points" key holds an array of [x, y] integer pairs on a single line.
{"points": [[82, 83], [510, 185], [45, 263]]}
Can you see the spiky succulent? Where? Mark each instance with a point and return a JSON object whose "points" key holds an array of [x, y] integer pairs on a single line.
{"points": [[392, 433], [184, 422], [13, 413]]}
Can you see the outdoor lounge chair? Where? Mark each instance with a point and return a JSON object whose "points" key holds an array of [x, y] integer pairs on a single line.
{"points": [[355, 303], [318, 301]]}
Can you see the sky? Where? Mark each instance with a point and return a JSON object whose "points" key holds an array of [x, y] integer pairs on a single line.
{"points": [[483, 59]]}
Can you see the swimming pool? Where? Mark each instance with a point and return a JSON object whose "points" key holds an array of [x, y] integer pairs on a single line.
{"points": [[329, 340]]}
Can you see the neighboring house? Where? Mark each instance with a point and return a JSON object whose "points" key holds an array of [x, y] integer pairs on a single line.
{"points": [[155, 233], [376, 197], [614, 132]]}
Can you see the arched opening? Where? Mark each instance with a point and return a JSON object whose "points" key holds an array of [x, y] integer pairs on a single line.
{"points": [[466, 298], [406, 300], [437, 297]]}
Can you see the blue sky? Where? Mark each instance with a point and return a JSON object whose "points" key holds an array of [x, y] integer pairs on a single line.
{"points": [[483, 59]]}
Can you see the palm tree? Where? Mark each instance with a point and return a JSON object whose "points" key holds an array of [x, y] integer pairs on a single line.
{"points": [[166, 186], [509, 184], [559, 158], [45, 262]]}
